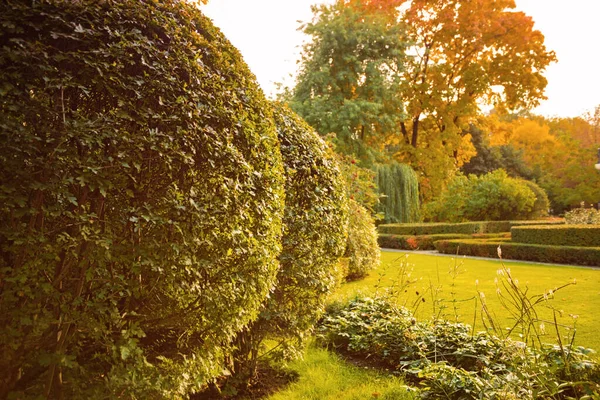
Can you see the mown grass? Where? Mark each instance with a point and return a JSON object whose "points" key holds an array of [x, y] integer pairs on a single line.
{"points": [[324, 376], [448, 287]]}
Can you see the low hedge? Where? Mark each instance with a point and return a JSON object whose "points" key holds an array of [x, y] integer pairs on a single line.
{"points": [[565, 235], [462, 227], [521, 251], [426, 242]]}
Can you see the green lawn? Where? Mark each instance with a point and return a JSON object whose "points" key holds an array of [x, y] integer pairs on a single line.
{"points": [[436, 278], [324, 376]]}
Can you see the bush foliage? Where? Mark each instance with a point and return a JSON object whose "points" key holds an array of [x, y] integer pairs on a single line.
{"points": [[450, 361], [362, 249], [563, 235], [315, 232], [141, 198], [541, 206], [582, 215], [491, 197], [427, 242]]}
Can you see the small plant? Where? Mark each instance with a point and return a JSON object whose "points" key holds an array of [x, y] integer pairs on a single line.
{"points": [[412, 243], [451, 360]]}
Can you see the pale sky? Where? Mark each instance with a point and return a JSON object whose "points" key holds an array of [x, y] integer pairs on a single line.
{"points": [[265, 32]]}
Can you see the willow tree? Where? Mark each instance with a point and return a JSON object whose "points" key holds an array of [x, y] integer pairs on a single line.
{"points": [[398, 183]]}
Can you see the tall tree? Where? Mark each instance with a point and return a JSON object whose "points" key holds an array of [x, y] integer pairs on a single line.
{"points": [[410, 76], [464, 54], [350, 75]]}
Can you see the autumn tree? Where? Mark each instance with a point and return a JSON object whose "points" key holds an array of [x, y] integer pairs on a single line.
{"points": [[409, 77], [465, 54], [569, 174], [558, 153]]}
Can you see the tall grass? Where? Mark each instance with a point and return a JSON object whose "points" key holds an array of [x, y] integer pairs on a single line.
{"points": [[452, 289], [532, 302]]}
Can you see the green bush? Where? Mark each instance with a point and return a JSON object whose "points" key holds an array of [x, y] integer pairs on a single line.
{"points": [[315, 232], [450, 205], [563, 235], [449, 360], [521, 251], [362, 248], [491, 197], [446, 228], [426, 242], [541, 204], [141, 198]]}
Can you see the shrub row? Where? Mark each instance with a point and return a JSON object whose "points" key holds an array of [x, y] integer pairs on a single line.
{"points": [[426, 242], [565, 235], [462, 227], [521, 251], [142, 202]]}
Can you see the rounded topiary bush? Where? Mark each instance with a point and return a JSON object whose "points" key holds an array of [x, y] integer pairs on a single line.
{"points": [[314, 237], [362, 248], [141, 198]]}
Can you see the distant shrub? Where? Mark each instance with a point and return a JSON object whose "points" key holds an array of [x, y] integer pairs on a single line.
{"points": [[582, 215], [541, 204], [450, 205], [362, 248], [521, 251], [426, 242], [141, 198], [446, 228], [463, 227], [315, 232], [491, 197]]}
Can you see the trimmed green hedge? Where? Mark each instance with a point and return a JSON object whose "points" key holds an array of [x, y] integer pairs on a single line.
{"points": [[521, 251], [315, 232], [463, 227], [426, 242], [565, 235]]}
